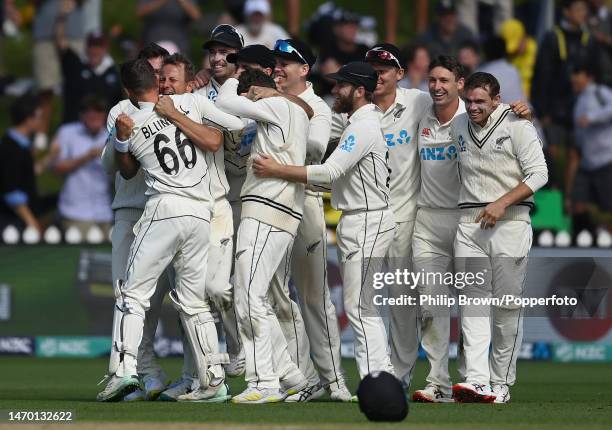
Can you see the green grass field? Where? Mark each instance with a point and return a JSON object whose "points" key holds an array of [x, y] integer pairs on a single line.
{"points": [[548, 396]]}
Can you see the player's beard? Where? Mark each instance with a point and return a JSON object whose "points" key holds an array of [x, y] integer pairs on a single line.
{"points": [[344, 104]]}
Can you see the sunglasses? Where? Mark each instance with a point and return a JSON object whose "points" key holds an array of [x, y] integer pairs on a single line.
{"points": [[226, 28], [284, 46], [381, 54]]}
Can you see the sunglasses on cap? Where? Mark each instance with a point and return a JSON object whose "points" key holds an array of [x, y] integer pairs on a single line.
{"points": [[226, 28], [284, 46], [381, 54]]}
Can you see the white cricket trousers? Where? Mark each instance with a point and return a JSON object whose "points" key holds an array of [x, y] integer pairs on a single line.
{"points": [[122, 237], [432, 252], [501, 253], [403, 320], [364, 238], [312, 336], [259, 251], [173, 230]]}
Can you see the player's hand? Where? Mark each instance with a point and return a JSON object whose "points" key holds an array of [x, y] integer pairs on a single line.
{"points": [[583, 122], [165, 107], [257, 93], [264, 166], [521, 109], [124, 126], [202, 78], [492, 213]]}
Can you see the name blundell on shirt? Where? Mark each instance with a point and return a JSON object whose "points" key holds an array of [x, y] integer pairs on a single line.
{"points": [[159, 125]]}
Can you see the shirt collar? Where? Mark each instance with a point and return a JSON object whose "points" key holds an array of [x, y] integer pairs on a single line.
{"points": [[21, 139], [396, 105], [146, 105], [361, 112], [307, 92]]}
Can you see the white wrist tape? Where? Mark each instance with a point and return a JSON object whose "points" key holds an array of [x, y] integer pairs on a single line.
{"points": [[122, 146]]}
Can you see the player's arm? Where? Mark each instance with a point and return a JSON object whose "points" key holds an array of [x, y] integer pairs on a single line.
{"points": [[319, 131], [528, 150], [341, 161], [126, 162], [230, 102], [258, 93], [61, 41], [204, 137]]}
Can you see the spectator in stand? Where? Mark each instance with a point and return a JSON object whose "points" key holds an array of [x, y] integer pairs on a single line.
{"points": [[506, 73], [446, 35], [589, 173], [95, 74], [417, 61], [484, 18], [19, 204], [257, 28], [344, 48], [85, 199], [521, 50], [560, 50], [168, 20], [600, 25], [469, 56]]}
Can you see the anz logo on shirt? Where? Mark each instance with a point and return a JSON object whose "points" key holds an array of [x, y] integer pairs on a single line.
{"points": [[348, 144], [438, 153], [402, 139], [246, 141]]}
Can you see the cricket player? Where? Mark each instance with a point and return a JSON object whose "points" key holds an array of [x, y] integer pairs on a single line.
{"points": [[501, 165], [321, 338], [128, 204], [174, 228], [438, 216], [271, 213], [225, 40], [359, 176]]}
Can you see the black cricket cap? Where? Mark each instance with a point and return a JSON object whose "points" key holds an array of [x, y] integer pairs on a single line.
{"points": [[254, 54], [382, 398], [227, 35], [356, 73], [305, 56], [376, 55]]}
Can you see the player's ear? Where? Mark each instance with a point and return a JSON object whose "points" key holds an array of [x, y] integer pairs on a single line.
{"points": [[400, 74], [460, 84], [189, 87], [497, 100]]}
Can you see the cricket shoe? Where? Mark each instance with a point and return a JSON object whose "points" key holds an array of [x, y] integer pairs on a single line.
{"points": [[177, 388], [312, 392], [236, 365], [431, 394], [339, 393], [292, 386], [212, 394], [467, 392], [502, 393], [256, 396], [154, 384], [117, 388]]}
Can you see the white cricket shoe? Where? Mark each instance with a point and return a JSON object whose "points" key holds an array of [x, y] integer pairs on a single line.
{"points": [[236, 365], [312, 392], [177, 388], [117, 388], [257, 396], [502, 393], [467, 392], [431, 394], [292, 386], [213, 394], [339, 392]]}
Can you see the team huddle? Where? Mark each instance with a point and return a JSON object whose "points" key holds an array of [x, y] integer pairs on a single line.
{"points": [[219, 178]]}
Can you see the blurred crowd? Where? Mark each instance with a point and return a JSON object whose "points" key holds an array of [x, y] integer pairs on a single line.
{"points": [[557, 55]]}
